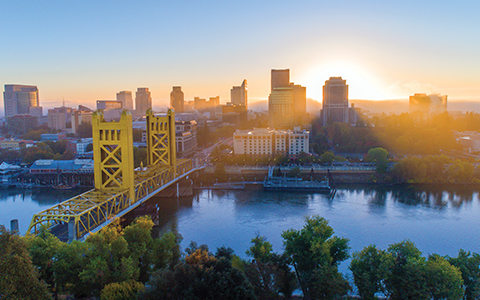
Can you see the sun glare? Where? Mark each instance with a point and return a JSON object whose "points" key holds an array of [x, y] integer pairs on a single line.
{"points": [[361, 84]]}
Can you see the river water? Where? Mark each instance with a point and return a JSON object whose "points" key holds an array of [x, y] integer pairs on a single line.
{"points": [[439, 219]]}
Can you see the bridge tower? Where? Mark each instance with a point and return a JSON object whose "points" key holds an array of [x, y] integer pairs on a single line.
{"points": [[161, 146], [113, 154]]}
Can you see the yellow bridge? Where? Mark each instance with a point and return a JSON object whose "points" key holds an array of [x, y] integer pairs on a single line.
{"points": [[118, 187]]}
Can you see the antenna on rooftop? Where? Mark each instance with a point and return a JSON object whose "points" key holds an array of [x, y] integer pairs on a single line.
{"points": [[63, 101]]}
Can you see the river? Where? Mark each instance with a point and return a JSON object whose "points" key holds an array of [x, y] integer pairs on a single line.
{"points": [[439, 219]]}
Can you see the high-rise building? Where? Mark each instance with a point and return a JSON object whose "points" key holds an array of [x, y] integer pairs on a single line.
{"points": [[143, 101], [238, 94], [82, 115], [126, 98], [424, 103], [280, 108], [59, 117], [177, 99], [280, 78], [335, 101], [19, 98], [421, 105], [299, 101], [202, 103], [287, 102], [213, 101]]}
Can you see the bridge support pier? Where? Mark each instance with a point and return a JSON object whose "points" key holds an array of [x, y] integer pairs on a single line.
{"points": [[72, 230]]}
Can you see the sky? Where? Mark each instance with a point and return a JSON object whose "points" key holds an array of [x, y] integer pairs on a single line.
{"points": [[83, 51]]}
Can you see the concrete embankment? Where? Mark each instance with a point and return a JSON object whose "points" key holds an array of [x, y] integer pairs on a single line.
{"points": [[339, 174]]}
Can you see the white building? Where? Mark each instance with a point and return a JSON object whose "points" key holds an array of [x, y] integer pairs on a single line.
{"points": [[83, 144], [265, 142]]}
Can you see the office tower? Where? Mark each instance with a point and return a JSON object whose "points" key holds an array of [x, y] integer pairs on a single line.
{"points": [[82, 115], [177, 99], [335, 101], [421, 105], [213, 102], [19, 98], [238, 94], [143, 101], [126, 98], [424, 103], [299, 100], [280, 108], [280, 78], [200, 103], [287, 102]]}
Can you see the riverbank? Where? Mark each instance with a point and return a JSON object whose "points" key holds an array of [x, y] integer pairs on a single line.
{"points": [[340, 174]]}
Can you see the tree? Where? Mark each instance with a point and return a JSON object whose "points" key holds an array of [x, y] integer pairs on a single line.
{"points": [[125, 290], [85, 130], [108, 260], [139, 157], [137, 135], [140, 244], [327, 157], [444, 281], [406, 269], [379, 157], [201, 276], [269, 272], [315, 251], [469, 266], [220, 174], [43, 249], [69, 263], [368, 271], [18, 278]]}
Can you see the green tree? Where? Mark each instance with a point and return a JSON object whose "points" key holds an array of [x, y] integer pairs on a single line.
{"points": [[140, 244], [444, 281], [18, 278], [43, 250], [327, 157], [379, 157], [85, 130], [406, 270], [137, 135], [368, 271], [269, 273], [220, 174], [469, 266], [125, 290], [139, 157], [69, 263], [261, 270], [315, 251], [201, 276], [108, 260]]}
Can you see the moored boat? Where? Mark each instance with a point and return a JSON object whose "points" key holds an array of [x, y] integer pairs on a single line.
{"points": [[277, 183]]}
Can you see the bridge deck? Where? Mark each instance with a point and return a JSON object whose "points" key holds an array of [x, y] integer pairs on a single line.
{"points": [[93, 209]]}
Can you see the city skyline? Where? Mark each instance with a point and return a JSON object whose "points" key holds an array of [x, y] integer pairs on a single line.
{"points": [[384, 50]]}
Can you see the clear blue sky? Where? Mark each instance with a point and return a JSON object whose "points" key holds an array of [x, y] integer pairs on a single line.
{"points": [[89, 50]]}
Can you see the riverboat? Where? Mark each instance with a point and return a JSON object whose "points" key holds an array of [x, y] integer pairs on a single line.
{"points": [[277, 183]]}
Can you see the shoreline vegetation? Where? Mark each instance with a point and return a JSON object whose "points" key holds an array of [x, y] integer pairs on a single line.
{"points": [[129, 263]]}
